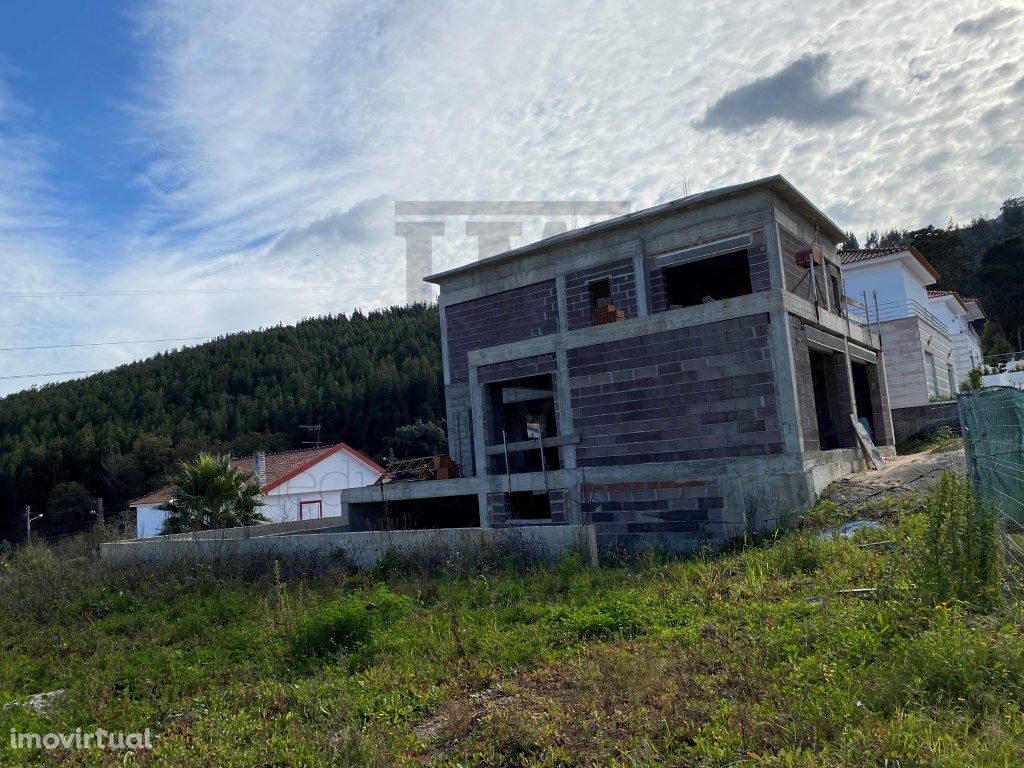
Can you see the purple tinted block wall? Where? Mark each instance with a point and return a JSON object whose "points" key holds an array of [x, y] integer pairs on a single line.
{"points": [[514, 315], [662, 512], [702, 392], [577, 292]]}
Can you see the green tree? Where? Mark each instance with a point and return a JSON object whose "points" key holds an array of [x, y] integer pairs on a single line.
{"points": [[69, 505], [1012, 211], [421, 438], [1002, 266], [944, 250], [994, 345], [209, 493]]}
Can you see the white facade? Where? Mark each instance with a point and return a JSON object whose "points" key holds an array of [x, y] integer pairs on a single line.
{"points": [[919, 354], [311, 491], [950, 309]]}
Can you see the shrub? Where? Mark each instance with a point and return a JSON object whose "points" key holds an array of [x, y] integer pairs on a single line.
{"points": [[961, 555]]}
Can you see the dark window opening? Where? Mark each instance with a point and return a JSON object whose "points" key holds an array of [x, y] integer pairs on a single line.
{"points": [[522, 414], [707, 280], [416, 514], [527, 505], [837, 296], [862, 396], [600, 293]]}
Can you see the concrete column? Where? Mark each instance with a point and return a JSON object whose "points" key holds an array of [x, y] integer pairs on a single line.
{"points": [[643, 305], [563, 310], [782, 349], [564, 399]]}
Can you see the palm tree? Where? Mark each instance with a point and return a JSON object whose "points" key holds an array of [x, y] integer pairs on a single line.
{"points": [[210, 493]]}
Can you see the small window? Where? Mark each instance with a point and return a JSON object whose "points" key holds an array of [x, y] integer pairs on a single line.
{"points": [[311, 510], [837, 296], [952, 379], [600, 293], [932, 373], [707, 280]]}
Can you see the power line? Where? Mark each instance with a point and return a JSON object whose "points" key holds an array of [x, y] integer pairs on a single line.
{"points": [[177, 291], [109, 343], [53, 373]]}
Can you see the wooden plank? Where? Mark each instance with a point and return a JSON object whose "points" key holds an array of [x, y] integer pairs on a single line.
{"points": [[865, 443]]}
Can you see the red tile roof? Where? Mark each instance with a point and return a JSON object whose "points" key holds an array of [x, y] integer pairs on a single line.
{"points": [[954, 294], [866, 254], [281, 467]]}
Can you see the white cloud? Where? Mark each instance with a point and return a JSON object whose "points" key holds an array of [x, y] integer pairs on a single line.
{"points": [[279, 133]]}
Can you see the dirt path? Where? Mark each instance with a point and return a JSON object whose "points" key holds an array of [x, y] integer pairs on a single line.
{"points": [[917, 472]]}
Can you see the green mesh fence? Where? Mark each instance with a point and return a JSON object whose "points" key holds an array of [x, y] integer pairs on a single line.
{"points": [[992, 420]]}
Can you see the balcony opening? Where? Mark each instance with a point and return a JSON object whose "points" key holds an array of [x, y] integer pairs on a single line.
{"points": [[707, 280], [416, 514]]}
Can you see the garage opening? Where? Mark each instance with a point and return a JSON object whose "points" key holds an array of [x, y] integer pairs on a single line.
{"points": [[707, 280], [862, 397], [416, 514], [823, 373]]}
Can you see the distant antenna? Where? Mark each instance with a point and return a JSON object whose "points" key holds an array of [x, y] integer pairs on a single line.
{"points": [[315, 430], [686, 186]]}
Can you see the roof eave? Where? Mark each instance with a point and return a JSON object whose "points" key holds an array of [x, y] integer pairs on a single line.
{"points": [[777, 183]]}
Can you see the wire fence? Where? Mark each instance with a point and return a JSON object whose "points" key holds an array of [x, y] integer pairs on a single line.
{"points": [[992, 422]]}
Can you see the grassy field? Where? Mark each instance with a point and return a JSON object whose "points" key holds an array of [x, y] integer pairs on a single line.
{"points": [[759, 656]]}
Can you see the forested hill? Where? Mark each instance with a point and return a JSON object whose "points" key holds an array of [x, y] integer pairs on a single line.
{"points": [[118, 433], [983, 259]]}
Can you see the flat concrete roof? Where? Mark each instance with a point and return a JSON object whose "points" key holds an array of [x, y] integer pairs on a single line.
{"points": [[777, 184]]}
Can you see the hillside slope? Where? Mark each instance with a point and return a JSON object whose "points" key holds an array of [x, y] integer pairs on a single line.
{"points": [[119, 432]]}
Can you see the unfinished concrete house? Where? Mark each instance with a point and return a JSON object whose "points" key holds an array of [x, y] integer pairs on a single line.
{"points": [[676, 376]]}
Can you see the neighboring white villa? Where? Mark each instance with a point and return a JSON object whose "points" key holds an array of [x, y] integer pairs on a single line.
{"points": [[297, 485], [916, 346], [958, 316]]}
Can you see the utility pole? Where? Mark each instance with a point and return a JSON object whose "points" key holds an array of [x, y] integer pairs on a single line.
{"points": [[28, 524], [99, 510]]}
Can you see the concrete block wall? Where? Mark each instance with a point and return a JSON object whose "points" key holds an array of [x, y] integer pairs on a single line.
{"points": [[908, 422], [517, 369], [622, 281], [704, 391], [653, 513], [798, 279], [514, 315], [757, 260], [883, 418]]}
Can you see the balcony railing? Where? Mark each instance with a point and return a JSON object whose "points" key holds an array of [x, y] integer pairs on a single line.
{"points": [[893, 310]]}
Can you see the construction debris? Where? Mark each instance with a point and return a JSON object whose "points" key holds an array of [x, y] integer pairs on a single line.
{"points": [[438, 467]]}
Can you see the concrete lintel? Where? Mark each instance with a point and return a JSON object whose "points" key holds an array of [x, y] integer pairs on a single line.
{"points": [[727, 309]]}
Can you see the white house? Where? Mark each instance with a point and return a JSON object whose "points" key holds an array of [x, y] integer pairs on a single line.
{"points": [[916, 347], [958, 317], [297, 485]]}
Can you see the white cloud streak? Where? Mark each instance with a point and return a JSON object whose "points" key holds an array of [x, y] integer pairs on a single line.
{"points": [[278, 134]]}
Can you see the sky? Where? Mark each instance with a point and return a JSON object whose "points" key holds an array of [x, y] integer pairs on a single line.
{"points": [[176, 170]]}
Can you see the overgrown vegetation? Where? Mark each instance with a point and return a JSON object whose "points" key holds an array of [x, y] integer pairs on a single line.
{"points": [[928, 440], [762, 656]]}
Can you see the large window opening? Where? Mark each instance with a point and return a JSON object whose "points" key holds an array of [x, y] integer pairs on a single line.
{"points": [[416, 514], [707, 280], [522, 416], [527, 505]]}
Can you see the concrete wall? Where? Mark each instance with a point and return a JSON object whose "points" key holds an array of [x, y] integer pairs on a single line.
{"points": [[908, 422], [361, 549], [904, 343]]}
